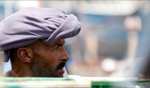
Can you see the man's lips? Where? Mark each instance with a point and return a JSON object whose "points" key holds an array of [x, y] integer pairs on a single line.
{"points": [[61, 65]]}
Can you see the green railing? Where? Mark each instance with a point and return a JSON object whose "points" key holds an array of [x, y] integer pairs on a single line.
{"points": [[83, 82], [121, 84]]}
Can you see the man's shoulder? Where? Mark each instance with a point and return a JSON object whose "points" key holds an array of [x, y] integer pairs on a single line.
{"points": [[8, 74]]}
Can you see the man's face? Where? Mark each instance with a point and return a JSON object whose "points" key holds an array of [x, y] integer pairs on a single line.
{"points": [[49, 60]]}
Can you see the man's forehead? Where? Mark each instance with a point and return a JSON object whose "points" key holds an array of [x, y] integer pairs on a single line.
{"points": [[41, 43]]}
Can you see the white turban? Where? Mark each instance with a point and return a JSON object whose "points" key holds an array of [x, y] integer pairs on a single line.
{"points": [[28, 25]]}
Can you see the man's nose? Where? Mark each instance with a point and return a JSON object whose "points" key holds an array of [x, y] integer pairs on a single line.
{"points": [[65, 55]]}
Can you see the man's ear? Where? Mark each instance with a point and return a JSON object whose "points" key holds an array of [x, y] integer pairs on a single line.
{"points": [[25, 54]]}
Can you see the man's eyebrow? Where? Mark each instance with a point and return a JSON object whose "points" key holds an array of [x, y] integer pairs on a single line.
{"points": [[61, 43]]}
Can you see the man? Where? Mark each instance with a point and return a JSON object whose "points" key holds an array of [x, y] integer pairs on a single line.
{"points": [[33, 39]]}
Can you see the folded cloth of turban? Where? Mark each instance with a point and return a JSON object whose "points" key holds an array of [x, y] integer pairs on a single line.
{"points": [[28, 25]]}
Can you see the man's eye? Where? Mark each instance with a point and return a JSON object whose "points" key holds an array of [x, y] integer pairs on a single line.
{"points": [[60, 45], [57, 46], [52, 47]]}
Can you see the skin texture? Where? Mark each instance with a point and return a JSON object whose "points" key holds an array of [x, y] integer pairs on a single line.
{"points": [[40, 60]]}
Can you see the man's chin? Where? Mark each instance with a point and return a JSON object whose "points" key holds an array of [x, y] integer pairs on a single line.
{"points": [[60, 72]]}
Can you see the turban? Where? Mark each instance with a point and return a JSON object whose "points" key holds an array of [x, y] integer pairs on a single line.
{"points": [[28, 25]]}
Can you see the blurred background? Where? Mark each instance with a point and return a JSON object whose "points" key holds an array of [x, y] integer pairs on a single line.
{"points": [[115, 36]]}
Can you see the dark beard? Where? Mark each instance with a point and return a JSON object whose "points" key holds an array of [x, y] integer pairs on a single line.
{"points": [[43, 71]]}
